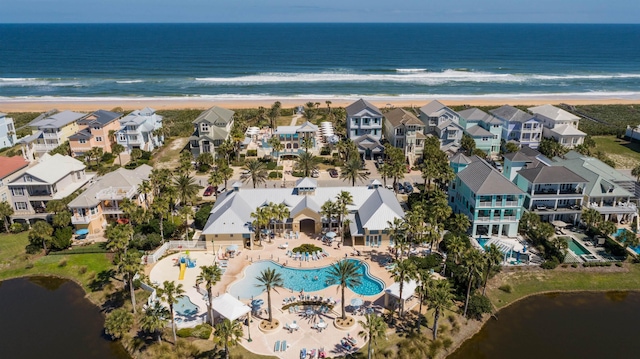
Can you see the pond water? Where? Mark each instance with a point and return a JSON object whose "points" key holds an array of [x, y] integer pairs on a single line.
{"points": [[560, 325], [46, 317]]}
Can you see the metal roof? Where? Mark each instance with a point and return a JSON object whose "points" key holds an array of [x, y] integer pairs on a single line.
{"points": [[482, 178], [360, 105]]}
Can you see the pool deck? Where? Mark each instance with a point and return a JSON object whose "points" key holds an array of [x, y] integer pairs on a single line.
{"points": [[305, 337]]}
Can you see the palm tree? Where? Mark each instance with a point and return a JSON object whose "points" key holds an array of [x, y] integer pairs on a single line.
{"points": [[591, 217], [403, 272], [440, 299], [425, 282], [257, 172], [160, 180], [352, 171], [458, 223], [226, 148], [493, 258], [228, 332], [456, 248], [129, 266], [160, 207], [269, 279], [343, 199], [374, 328], [226, 172], [282, 212], [396, 231], [154, 319], [276, 145], [117, 149], [345, 274], [210, 275], [635, 172], [145, 189], [215, 179], [41, 232], [186, 211], [274, 113], [204, 160], [118, 240], [186, 189], [306, 163], [473, 264], [307, 143], [261, 215], [328, 210], [170, 293], [628, 239], [6, 211]]}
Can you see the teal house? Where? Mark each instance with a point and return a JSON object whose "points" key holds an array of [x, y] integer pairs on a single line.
{"points": [[485, 129]]}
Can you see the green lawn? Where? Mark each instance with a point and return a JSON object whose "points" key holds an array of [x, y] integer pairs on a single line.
{"points": [[526, 283], [16, 263], [624, 153]]}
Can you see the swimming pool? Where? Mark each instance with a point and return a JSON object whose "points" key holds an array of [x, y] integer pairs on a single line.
{"points": [[296, 279], [619, 232], [184, 306], [577, 248], [482, 241]]}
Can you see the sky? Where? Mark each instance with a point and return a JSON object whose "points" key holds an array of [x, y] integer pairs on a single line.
{"points": [[278, 11]]}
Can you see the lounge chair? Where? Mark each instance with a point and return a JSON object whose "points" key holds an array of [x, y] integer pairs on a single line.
{"points": [[303, 353], [283, 346], [276, 347]]}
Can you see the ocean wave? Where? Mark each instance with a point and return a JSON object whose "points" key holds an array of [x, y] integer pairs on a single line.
{"points": [[129, 81], [411, 70]]}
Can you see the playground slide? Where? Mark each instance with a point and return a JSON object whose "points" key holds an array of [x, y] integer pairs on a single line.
{"points": [[183, 268]]}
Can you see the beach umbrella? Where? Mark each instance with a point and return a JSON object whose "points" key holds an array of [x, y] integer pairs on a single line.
{"points": [[356, 302], [330, 234]]}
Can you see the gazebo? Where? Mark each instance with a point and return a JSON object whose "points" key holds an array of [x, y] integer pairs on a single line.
{"points": [[227, 306], [392, 293]]}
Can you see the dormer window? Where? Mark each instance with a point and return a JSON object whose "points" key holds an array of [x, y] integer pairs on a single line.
{"points": [[204, 127]]}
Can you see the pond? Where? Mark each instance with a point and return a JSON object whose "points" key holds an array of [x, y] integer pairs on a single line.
{"points": [[560, 325], [49, 317]]}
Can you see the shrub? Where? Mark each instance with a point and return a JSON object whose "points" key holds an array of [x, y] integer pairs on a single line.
{"points": [[550, 264], [62, 238], [275, 174], [28, 266], [200, 218], [16, 227], [252, 153], [271, 165], [82, 270], [202, 331], [478, 305], [325, 151], [574, 265], [564, 265], [618, 264], [307, 247], [62, 263], [505, 288]]}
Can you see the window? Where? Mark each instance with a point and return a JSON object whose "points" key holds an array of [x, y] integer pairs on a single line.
{"points": [[21, 206], [4, 197], [204, 127], [94, 210], [98, 139], [1, 183], [82, 140], [122, 137], [96, 128], [18, 191], [78, 175]]}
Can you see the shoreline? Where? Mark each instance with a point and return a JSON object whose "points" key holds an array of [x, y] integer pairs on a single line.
{"points": [[178, 103]]}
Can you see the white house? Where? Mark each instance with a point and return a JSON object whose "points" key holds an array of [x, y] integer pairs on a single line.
{"points": [[559, 125], [137, 130], [7, 131]]}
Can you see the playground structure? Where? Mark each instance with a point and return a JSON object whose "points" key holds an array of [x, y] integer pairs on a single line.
{"points": [[185, 262]]}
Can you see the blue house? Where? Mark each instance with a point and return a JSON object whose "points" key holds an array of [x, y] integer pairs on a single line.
{"points": [[519, 126]]}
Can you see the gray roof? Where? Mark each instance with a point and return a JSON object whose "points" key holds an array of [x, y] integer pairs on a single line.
{"points": [[232, 211], [361, 105], [57, 120], [553, 113], [215, 115], [368, 142], [100, 117], [84, 133], [482, 178], [433, 106], [553, 174], [120, 178], [306, 182], [50, 169], [474, 115], [399, 116], [511, 114], [460, 158], [477, 131], [525, 154]]}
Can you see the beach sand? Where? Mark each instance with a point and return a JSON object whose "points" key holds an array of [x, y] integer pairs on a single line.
{"points": [[92, 104]]}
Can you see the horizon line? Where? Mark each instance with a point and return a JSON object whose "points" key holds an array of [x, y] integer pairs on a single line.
{"points": [[318, 23]]}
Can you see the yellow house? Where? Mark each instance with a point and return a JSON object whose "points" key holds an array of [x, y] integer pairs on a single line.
{"points": [[372, 206], [94, 132], [100, 203], [49, 132]]}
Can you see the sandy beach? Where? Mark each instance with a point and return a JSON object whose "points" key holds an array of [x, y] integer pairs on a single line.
{"points": [[91, 104]]}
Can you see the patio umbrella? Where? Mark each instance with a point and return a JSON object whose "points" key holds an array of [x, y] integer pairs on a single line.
{"points": [[232, 248], [559, 224], [330, 234], [356, 302]]}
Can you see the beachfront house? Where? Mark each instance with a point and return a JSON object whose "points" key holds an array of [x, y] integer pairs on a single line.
{"points": [[404, 130], [373, 206], [211, 128], [10, 168], [139, 129], [485, 129], [519, 126], [7, 131], [53, 178], [554, 193], [559, 124], [608, 191], [492, 203], [526, 157], [49, 131], [100, 203], [364, 127], [293, 138], [444, 123], [96, 130]]}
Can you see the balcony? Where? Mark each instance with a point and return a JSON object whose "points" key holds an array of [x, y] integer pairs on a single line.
{"points": [[81, 219], [112, 210], [49, 135], [44, 146], [116, 193], [511, 204], [485, 204]]}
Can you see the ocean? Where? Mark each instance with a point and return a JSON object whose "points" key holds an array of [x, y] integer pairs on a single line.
{"points": [[242, 61]]}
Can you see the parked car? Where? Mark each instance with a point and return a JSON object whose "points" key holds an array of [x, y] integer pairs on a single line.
{"points": [[221, 189], [399, 187], [209, 191], [408, 188], [315, 174], [333, 173]]}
